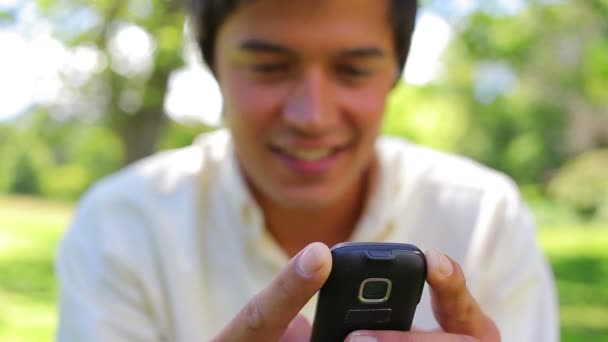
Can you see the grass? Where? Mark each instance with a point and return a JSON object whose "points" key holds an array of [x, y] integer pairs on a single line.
{"points": [[29, 232], [30, 229], [579, 256]]}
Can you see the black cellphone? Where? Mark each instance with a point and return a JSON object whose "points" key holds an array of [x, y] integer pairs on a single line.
{"points": [[372, 286]]}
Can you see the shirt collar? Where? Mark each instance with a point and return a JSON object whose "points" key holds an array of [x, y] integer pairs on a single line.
{"points": [[377, 221]]}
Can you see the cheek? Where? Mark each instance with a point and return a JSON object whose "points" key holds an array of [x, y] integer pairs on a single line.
{"points": [[248, 101], [367, 106]]}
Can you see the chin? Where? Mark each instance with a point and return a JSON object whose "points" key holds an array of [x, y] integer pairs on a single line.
{"points": [[308, 199]]}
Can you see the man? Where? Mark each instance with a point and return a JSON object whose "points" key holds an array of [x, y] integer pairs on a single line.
{"points": [[194, 244]]}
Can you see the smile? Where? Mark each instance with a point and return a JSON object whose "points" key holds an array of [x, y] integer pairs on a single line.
{"points": [[309, 161], [309, 154]]}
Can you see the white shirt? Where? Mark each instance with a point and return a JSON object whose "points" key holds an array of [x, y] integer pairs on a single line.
{"points": [[171, 248]]}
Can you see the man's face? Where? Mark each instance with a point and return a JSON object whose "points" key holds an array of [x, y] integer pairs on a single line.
{"points": [[304, 85]]}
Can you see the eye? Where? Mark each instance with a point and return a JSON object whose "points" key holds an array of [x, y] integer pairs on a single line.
{"points": [[270, 68], [353, 71]]}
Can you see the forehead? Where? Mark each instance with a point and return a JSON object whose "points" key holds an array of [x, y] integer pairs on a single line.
{"points": [[311, 23]]}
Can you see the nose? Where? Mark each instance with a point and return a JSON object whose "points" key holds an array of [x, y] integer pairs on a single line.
{"points": [[310, 105]]}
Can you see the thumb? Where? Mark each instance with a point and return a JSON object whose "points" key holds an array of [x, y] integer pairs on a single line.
{"points": [[268, 314], [453, 305], [299, 330]]}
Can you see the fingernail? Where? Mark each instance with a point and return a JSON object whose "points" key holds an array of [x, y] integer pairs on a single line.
{"points": [[356, 337], [311, 260], [438, 261]]}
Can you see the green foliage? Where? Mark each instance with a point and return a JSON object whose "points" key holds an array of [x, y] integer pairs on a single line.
{"points": [[58, 160], [99, 152], [28, 290], [595, 71], [25, 180], [66, 182], [23, 158], [548, 212], [555, 57], [7, 157], [429, 116], [181, 134], [582, 183], [579, 258], [557, 54], [122, 96], [525, 140], [524, 129]]}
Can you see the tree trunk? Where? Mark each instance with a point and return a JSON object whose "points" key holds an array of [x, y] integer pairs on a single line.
{"points": [[140, 134]]}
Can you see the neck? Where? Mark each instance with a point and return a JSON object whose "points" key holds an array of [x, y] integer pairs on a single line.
{"points": [[294, 228]]}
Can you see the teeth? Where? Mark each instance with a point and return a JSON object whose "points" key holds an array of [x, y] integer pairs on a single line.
{"points": [[309, 154]]}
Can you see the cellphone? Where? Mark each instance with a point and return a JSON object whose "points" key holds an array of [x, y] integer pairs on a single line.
{"points": [[371, 286]]}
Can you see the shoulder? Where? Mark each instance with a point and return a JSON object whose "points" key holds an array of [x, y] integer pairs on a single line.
{"points": [[448, 180], [163, 174], [139, 199], [437, 168]]}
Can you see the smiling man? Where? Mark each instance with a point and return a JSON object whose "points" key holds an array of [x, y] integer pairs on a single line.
{"points": [[304, 85], [227, 239]]}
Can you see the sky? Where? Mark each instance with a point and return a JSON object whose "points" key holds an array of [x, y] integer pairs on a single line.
{"points": [[32, 61]]}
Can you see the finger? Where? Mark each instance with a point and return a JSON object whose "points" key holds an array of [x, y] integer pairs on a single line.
{"points": [[406, 336], [299, 330], [453, 305], [269, 313]]}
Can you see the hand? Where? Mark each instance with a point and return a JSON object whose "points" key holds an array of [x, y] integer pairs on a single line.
{"points": [[273, 313], [454, 307]]}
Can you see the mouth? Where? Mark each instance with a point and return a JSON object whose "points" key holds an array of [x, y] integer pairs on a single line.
{"points": [[310, 160], [308, 154]]}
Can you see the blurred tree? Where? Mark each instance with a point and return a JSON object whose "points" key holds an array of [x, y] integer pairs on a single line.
{"points": [[535, 83], [43, 156], [180, 134], [24, 161], [7, 156], [135, 46], [522, 90], [582, 183], [429, 115]]}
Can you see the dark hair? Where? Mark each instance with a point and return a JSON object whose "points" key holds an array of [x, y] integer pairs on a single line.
{"points": [[207, 16]]}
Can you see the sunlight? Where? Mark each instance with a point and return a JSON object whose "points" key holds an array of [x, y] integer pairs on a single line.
{"points": [[431, 37], [194, 95], [131, 50], [8, 3], [17, 79]]}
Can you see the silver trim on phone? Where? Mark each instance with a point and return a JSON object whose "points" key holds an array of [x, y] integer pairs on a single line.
{"points": [[380, 300]]}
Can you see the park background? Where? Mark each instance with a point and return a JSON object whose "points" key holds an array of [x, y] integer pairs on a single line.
{"points": [[87, 87]]}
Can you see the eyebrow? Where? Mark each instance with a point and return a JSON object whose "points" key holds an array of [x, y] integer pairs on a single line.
{"points": [[362, 52], [256, 45]]}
